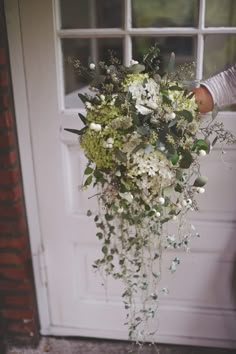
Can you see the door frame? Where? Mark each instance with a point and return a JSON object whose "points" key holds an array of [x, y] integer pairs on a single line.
{"points": [[20, 93]]}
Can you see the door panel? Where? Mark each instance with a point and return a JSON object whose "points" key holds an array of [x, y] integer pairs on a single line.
{"points": [[201, 306]]}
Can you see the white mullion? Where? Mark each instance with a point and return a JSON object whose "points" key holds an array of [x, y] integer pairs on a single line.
{"points": [[127, 28], [200, 40], [92, 19], [119, 33]]}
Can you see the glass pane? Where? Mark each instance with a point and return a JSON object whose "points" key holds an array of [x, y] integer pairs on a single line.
{"points": [[183, 47], [220, 13], [162, 13], [91, 13], [85, 49], [219, 54]]}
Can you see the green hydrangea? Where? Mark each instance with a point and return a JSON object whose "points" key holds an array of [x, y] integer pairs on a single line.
{"points": [[93, 144], [102, 114]]}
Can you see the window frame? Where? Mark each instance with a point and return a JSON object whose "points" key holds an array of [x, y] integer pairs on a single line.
{"points": [[128, 32]]}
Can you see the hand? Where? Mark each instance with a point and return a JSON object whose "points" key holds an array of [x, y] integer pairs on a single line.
{"points": [[203, 99]]}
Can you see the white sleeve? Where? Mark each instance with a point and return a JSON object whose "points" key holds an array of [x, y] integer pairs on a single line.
{"points": [[222, 87]]}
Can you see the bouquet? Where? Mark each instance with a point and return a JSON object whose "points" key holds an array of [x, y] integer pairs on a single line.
{"points": [[143, 137]]}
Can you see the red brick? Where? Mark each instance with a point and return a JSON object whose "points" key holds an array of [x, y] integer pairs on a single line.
{"points": [[21, 301], [10, 194], [13, 242], [7, 140], [11, 258], [3, 57], [18, 273], [21, 327], [4, 79], [11, 211], [5, 100], [9, 157], [6, 285], [9, 176], [6, 118], [13, 227], [17, 314]]}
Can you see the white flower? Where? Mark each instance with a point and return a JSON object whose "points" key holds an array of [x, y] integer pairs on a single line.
{"points": [[110, 141], [92, 66], [201, 190], [202, 153], [161, 200], [120, 210], [133, 62], [127, 196], [96, 127], [189, 201], [88, 105]]}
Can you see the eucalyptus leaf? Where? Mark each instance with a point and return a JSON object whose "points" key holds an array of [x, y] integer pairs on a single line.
{"points": [[186, 160], [88, 180], [175, 88], [143, 130], [82, 97], [120, 155], [200, 181], [88, 170]]}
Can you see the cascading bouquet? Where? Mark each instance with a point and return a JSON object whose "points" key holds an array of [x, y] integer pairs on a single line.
{"points": [[143, 137]]}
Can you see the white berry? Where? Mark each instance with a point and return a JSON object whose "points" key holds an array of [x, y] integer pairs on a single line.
{"points": [[172, 115], [157, 214], [161, 200], [202, 153], [92, 66], [189, 201], [201, 190], [92, 126]]}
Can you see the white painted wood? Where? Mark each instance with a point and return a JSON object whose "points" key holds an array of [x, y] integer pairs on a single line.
{"points": [[200, 309], [142, 32], [20, 91]]}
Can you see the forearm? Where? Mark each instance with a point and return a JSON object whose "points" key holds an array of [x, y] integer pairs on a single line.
{"points": [[219, 89]]}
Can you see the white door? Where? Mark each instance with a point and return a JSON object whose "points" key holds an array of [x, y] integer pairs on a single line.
{"points": [[201, 306]]}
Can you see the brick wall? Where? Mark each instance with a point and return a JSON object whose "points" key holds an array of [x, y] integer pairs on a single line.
{"points": [[18, 311]]}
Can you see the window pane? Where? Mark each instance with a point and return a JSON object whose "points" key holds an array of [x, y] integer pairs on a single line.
{"points": [[183, 47], [162, 13], [84, 49], [220, 13], [91, 13], [219, 54]]}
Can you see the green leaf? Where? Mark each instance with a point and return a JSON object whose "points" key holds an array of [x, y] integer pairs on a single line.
{"points": [[75, 131], [120, 155], [175, 88], [200, 181], [174, 159], [186, 160], [138, 147], [99, 235], [83, 119], [109, 217], [104, 249], [82, 97], [186, 114], [202, 144], [88, 170], [88, 180], [143, 130], [179, 188]]}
